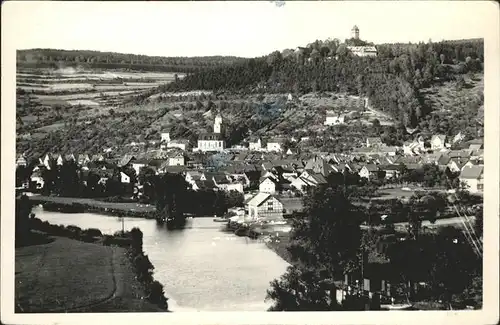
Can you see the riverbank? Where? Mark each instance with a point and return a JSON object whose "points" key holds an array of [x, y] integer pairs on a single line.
{"points": [[67, 269], [130, 210]]}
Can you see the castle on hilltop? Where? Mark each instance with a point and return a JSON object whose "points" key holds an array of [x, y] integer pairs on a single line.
{"points": [[355, 32], [360, 50]]}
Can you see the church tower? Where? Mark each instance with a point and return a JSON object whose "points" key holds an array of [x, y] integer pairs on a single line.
{"points": [[218, 124], [355, 32]]}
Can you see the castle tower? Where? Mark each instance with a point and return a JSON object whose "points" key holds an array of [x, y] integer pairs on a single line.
{"points": [[218, 123], [355, 32]]}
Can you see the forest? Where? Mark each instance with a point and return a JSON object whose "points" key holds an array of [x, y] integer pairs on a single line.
{"points": [[392, 81], [54, 58]]}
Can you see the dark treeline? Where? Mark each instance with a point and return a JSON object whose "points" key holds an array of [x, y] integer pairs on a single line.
{"points": [[391, 80], [54, 58], [170, 193], [327, 243]]}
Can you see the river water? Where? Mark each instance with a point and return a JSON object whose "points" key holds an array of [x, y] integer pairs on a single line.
{"points": [[201, 267]]}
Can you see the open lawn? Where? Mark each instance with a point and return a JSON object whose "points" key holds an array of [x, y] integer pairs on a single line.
{"points": [[66, 275]]}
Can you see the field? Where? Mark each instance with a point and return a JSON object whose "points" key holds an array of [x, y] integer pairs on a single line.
{"points": [[88, 111], [84, 83], [66, 275]]}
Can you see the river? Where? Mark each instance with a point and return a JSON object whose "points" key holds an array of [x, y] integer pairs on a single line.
{"points": [[201, 267]]}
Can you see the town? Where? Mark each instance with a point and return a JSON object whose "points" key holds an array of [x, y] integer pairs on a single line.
{"points": [[267, 166], [340, 175]]}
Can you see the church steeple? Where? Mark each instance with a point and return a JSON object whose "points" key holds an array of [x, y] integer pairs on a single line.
{"points": [[218, 123]]}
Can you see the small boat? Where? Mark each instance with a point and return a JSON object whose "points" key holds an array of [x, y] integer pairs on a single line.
{"points": [[220, 219]]}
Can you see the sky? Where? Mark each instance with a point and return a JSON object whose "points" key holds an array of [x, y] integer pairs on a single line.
{"points": [[239, 28]]}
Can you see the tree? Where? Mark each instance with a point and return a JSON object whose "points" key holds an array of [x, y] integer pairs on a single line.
{"points": [[22, 175], [68, 180], [324, 246], [478, 223], [23, 211], [220, 203], [454, 264], [171, 198]]}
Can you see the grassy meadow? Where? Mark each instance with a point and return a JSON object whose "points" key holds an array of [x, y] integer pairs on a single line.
{"points": [[66, 275]]}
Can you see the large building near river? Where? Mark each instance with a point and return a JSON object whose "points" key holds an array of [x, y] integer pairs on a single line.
{"points": [[213, 141]]}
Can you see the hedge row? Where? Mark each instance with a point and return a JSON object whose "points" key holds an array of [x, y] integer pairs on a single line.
{"points": [[144, 270], [83, 207]]}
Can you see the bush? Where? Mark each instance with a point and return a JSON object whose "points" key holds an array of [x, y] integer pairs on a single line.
{"points": [[93, 232], [157, 295], [119, 241]]}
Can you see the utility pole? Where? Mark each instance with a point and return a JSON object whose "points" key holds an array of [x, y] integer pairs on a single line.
{"points": [[123, 224]]}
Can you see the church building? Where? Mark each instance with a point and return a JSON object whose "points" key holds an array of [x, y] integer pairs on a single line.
{"points": [[212, 141]]}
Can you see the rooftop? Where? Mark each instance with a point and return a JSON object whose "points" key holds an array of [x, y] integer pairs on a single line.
{"points": [[472, 172]]}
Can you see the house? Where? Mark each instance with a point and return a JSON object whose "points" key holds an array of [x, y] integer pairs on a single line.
{"points": [[285, 172], [208, 142], [475, 147], [203, 185], [126, 160], [369, 171], [138, 164], [165, 137], [254, 144], [124, 178], [473, 177], [175, 158], [231, 186], [390, 151], [341, 168], [265, 206], [373, 142], [241, 156], [275, 145], [438, 141], [165, 168], [300, 184], [69, 157], [83, 159], [182, 144], [458, 138], [193, 176], [319, 165], [473, 162], [104, 175], [313, 178], [21, 161], [370, 51], [456, 164], [37, 180], [333, 118], [97, 157], [268, 185], [254, 177], [391, 171]]}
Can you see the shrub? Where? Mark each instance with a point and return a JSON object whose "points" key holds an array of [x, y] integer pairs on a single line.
{"points": [[93, 232], [157, 295]]}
